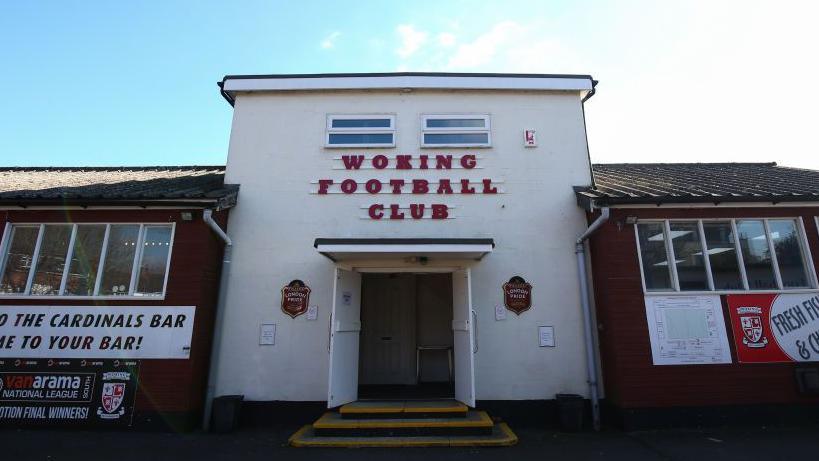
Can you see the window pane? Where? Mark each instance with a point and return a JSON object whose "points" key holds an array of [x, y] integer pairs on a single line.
{"points": [[722, 254], [456, 138], [360, 138], [756, 254], [82, 272], [361, 123], [789, 257], [456, 123], [18, 260], [654, 256], [119, 259], [151, 278], [685, 239], [48, 272]]}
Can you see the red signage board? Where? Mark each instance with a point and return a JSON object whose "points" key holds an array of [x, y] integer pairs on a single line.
{"points": [[775, 327], [295, 298], [517, 295]]}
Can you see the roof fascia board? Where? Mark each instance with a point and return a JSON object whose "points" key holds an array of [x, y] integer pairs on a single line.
{"points": [[521, 83], [716, 205]]}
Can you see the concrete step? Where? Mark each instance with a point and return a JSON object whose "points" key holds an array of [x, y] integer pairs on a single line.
{"points": [[499, 436], [332, 424], [389, 409]]}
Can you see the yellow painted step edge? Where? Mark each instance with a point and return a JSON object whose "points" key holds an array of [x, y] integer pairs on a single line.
{"points": [[459, 408], [483, 421], [373, 410], [509, 440]]}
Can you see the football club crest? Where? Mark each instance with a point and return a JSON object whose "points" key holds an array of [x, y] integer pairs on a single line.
{"points": [[113, 394], [517, 295], [295, 298], [751, 321]]}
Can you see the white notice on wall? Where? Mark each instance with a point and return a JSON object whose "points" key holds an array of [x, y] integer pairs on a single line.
{"points": [[500, 312], [312, 312], [546, 335], [267, 334], [687, 330]]}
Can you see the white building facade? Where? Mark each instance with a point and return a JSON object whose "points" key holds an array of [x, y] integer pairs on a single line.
{"points": [[404, 202]]}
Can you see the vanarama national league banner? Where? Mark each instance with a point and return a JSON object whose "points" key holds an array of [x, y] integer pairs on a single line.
{"points": [[775, 327], [48, 392]]}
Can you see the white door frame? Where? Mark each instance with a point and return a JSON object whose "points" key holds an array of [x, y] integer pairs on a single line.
{"points": [[468, 328]]}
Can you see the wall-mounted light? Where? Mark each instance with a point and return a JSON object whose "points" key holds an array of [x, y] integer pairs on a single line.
{"points": [[186, 216]]}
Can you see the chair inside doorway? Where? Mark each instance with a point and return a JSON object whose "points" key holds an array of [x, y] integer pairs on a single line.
{"points": [[406, 344]]}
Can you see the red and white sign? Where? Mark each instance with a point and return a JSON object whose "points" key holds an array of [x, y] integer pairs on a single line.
{"points": [[775, 328], [529, 138]]}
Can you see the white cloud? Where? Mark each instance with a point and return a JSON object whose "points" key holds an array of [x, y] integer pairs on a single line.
{"points": [[411, 40], [483, 49], [446, 39], [330, 40]]}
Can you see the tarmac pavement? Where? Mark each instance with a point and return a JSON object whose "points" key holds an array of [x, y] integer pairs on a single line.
{"points": [[270, 444]]}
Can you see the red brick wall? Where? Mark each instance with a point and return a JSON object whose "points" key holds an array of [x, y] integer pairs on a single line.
{"points": [[193, 280], [631, 380]]}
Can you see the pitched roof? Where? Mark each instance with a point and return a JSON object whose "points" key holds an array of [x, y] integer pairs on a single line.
{"points": [[174, 185], [658, 183]]}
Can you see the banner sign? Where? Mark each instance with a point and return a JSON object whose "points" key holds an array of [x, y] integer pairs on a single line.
{"points": [[54, 392], [687, 330], [775, 327], [96, 332]]}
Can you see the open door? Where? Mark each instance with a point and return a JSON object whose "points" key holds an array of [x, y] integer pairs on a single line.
{"points": [[463, 334], [345, 325]]}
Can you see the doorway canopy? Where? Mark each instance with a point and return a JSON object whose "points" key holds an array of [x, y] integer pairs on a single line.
{"points": [[346, 249]]}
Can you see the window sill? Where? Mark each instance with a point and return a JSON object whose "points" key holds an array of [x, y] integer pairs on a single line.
{"points": [[731, 292], [455, 146], [359, 146], [82, 298]]}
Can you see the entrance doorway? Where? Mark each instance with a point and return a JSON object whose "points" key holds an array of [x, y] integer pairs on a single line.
{"points": [[406, 342], [401, 311]]}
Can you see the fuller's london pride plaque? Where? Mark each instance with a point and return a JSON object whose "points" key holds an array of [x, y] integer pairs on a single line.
{"points": [[295, 298], [517, 295]]}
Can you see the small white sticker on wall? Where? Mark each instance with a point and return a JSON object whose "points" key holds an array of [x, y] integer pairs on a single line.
{"points": [[312, 313], [529, 138], [346, 298], [500, 313], [547, 336], [267, 334]]}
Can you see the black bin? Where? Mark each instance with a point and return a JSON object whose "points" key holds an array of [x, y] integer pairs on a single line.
{"points": [[225, 413], [571, 409]]}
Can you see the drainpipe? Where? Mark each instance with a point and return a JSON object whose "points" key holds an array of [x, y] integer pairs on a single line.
{"points": [[591, 356], [207, 217]]}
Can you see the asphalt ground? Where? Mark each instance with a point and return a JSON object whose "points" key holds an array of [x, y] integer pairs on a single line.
{"points": [[270, 443]]}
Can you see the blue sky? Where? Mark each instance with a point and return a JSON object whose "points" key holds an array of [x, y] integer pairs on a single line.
{"points": [[134, 83]]}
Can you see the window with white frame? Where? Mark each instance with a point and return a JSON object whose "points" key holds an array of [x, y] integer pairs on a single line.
{"points": [[468, 130], [724, 255], [86, 259], [360, 130]]}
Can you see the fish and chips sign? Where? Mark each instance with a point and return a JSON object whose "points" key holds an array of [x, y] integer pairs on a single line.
{"points": [[775, 327]]}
